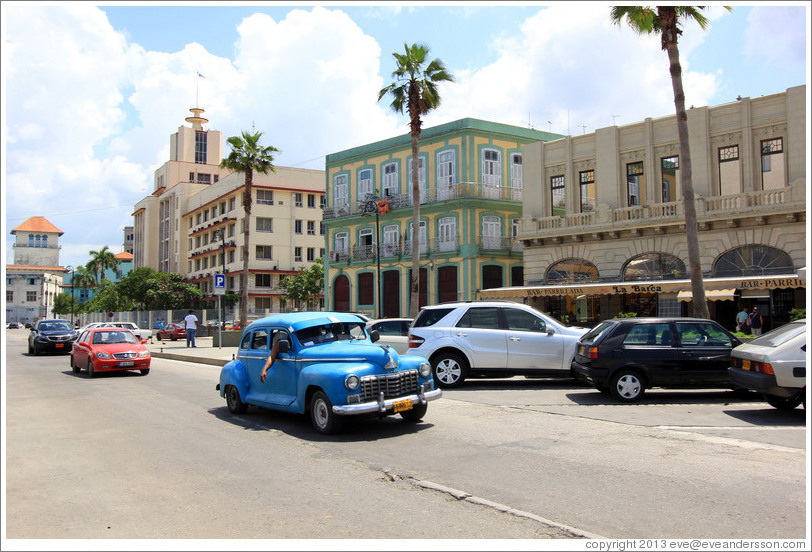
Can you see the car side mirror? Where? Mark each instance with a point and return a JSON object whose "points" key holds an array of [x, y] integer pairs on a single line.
{"points": [[143, 341], [283, 346], [550, 331], [374, 335]]}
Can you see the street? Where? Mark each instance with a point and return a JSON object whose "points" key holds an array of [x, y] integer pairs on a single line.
{"points": [[123, 456]]}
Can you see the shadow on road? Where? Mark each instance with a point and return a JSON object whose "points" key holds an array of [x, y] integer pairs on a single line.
{"points": [[668, 397], [769, 416], [356, 428]]}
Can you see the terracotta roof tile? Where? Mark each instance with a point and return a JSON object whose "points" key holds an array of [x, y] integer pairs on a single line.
{"points": [[124, 256], [37, 224]]}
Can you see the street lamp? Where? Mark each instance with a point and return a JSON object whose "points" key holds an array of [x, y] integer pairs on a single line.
{"points": [[221, 233], [70, 269], [372, 205]]}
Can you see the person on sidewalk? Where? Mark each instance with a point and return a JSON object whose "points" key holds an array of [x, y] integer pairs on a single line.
{"points": [[743, 321], [755, 322], [191, 328]]}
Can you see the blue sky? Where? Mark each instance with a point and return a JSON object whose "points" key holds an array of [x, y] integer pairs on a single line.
{"points": [[92, 93]]}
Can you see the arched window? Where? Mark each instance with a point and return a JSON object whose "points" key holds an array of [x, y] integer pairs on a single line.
{"points": [[570, 271], [753, 260], [44, 241], [39, 241], [654, 266], [30, 240]]}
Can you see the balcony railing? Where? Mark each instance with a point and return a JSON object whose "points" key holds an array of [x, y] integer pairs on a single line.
{"points": [[463, 190]]}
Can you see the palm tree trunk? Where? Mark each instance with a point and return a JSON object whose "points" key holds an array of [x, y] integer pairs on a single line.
{"points": [[414, 284], [246, 202], [700, 304]]}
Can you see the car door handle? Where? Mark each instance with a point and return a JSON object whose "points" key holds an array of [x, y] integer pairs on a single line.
{"points": [[462, 334], [515, 338]]}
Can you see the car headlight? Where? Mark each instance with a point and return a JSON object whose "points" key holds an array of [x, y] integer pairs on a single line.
{"points": [[103, 355], [352, 382], [143, 354], [424, 369]]}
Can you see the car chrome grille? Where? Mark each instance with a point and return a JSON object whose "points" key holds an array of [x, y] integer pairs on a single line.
{"points": [[392, 385], [60, 338], [122, 356]]}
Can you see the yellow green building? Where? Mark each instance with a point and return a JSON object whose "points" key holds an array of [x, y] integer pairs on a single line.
{"points": [[470, 174]]}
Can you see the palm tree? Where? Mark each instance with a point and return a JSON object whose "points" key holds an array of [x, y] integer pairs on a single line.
{"points": [[101, 260], [84, 278], [247, 156], [665, 21]]}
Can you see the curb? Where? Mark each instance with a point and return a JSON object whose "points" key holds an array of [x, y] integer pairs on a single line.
{"points": [[186, 358]]}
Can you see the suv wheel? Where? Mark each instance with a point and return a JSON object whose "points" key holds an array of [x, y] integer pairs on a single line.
{"points": [[450, 370], [627, 385], [782, 403]]}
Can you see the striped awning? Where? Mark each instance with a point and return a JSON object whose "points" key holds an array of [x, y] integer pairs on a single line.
{"points": [[710, 295]]}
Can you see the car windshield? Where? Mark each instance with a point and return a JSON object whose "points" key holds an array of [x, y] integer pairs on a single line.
{"points": [[593, 334], [327, 333], [110, 338], [780, 335], [54, 326]]}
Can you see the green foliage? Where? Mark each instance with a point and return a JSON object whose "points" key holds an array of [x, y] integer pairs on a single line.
{"points": [[100, 261], [107, 298], [153, 290], [797, 314], [62, 303], [626, 315], [305, 284]]}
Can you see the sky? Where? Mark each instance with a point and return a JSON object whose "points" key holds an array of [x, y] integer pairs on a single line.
{"points": [[91, 92]]}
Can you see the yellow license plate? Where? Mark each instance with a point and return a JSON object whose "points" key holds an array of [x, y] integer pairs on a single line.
{"points": [[400, 406], [745, 364]]}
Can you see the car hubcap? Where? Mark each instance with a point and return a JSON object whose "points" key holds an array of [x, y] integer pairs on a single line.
{"points": [[628, 386], [232, 397], [448, 371], [320, 411]]}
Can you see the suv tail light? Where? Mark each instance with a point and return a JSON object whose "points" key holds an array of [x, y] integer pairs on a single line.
{"points": [[592, 353], [763, 367], [415, 341]]}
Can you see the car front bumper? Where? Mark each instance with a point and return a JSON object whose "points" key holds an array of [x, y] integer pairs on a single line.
{"points": [[385, 405], [762, 383]]}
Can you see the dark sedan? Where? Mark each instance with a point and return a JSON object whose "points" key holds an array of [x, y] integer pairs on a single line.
{"points": [[51, 335], [626, 356]]}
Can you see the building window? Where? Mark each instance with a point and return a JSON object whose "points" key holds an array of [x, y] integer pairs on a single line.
{"points": [[203, 178], [264, 224], [232, 202], [588, 191], [448, 234], [772, 164], [421, 178], [322, 202], [205, 239], [39, 241], [262, 303], [9, 296], [297, 225], [654, 266], [491, 167], [222, 207], [321, 228], [670, 174], [297, 199], [491, 233], [44, 241], [572, 271], [231, 256], [31, 296], [205, 263], [311, 201], [311, 254], [199, 218], [391, 241], [213, 211], [216, 178], [264, 252], [516, 171], [231, 229], [364, 183], [558, 195], [341, 242], [265, 197], [390, 179], [340, 197], [201, 139], [191, 177], [635, 181], [730, 172], [297, 254], [753, 260], [262, 280], [206, 215], [445, 174], [311, 228]]}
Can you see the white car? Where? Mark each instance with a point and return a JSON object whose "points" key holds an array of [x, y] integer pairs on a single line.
{"points": [[393, 332], [492, 339], [774, 364], [132, 326]]}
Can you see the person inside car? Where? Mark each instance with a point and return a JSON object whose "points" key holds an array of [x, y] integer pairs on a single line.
{"points": [[278, 335]]}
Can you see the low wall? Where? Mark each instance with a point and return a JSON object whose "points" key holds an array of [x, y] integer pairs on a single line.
{"points": [[231, 338]]}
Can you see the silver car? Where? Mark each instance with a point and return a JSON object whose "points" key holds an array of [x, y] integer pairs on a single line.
{"points": [[492, 339]]}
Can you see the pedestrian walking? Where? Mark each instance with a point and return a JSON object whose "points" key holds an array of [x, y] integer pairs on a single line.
{"points": [[755, 322], [743, 321], [191, 328]]}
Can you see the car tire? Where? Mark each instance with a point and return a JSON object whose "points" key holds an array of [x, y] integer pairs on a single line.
{"points": [[91, 373], [782, 403], [234, 402], [144, 371], [627, 385], [415, 414], [449, 370], [75, 366], [325, 421], [36, 350], [603, 389], [173, 338], [30, 349]]}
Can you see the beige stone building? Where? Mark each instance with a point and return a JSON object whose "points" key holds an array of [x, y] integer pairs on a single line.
{"points": [[178, 228], [603, 222]]}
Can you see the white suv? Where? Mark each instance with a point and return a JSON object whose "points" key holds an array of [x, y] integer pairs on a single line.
{"points": [[492, 339]]}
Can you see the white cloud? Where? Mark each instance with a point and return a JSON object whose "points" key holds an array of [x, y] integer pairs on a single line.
{"points": [[777, 35]]}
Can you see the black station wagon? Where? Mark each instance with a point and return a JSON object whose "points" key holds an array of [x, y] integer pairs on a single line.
{"points": [[626, 356]]}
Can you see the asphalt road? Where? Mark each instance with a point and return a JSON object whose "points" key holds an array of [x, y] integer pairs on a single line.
{"points": [[123, 456]]}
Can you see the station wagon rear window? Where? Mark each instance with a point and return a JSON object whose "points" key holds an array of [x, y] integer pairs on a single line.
{"points": [[430, 317]]}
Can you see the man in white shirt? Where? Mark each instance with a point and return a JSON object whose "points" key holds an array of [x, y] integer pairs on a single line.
{"points": [[191, 328]]}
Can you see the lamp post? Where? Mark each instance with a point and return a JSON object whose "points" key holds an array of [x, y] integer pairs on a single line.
{"points": [[372, 205], [71, 270], [222, 236]]}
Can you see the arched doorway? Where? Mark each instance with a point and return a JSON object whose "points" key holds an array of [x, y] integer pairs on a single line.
{"points": [[585, 309], [341, 293]]}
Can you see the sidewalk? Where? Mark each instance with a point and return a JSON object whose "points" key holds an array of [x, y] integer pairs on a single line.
{"points": [[204, 353]]}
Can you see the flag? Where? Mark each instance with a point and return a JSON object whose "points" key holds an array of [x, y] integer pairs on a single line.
{"points": [[383, 206], [201, 76]]}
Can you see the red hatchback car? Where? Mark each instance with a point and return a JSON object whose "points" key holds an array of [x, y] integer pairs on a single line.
{"points": [[172, 331], [109, 350]]}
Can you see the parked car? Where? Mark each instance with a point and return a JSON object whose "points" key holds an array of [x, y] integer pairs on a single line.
{"points": [[626, 356], [51, 335], [328, 366], [774, 364], [133, 327], [12, 326], [393, 332], [491, 339], [173, 331], [109, 349]]}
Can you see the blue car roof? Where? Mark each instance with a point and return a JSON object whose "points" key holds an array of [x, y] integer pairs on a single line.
{"points": [[295, 321]]}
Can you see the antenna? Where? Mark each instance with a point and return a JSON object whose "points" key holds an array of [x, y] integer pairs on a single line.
{"points": [[614, 119], [551, 125], [584, 129]]}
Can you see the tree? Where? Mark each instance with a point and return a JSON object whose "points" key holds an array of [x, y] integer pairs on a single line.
{"points": [[83, 278], [247, 156], [108, 298], [62, 303], [100, 261], [666, 22], [415, 88], [305, 284], [153, 290]]}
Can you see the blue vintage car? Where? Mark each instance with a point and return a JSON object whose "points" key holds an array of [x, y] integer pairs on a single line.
{"points": [[327, 365]]}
